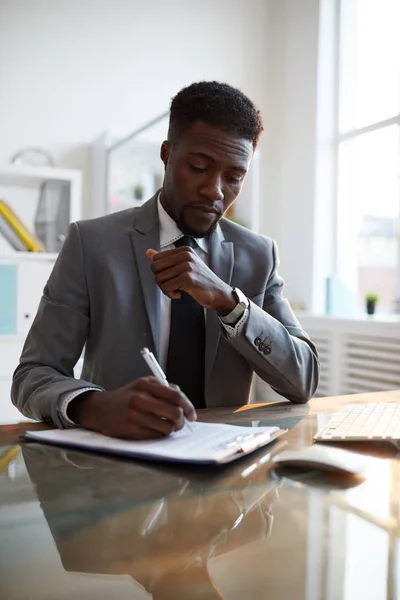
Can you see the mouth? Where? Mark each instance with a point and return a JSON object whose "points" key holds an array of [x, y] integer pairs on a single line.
{"points": [[205, 209], [199, 220]]}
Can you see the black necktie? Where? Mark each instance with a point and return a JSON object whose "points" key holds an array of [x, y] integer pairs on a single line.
{"points": [[186, 350]]}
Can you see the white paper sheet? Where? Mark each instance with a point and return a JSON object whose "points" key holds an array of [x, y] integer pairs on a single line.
{"points": [[207, 442]]}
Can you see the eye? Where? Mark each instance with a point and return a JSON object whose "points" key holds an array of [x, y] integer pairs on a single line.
{"points": [[235, 180], [197, 169]]}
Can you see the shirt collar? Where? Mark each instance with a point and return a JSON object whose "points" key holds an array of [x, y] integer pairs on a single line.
{"points": [[169, 230]]}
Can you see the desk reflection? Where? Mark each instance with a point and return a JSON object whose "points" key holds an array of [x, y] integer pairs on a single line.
{"points": [[160, 525]]}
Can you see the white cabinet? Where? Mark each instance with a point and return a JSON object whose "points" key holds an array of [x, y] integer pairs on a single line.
{"points": [[32, 277], [23, 275], [20, 301], [10, 351], [31, 273], [8, 412]]}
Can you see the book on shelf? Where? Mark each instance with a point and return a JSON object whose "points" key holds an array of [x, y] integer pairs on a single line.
{"points": [[15, 232]]}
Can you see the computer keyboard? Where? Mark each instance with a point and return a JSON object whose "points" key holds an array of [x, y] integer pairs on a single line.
{"points": [[361, 422]]}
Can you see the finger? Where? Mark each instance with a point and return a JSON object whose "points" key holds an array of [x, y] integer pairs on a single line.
{"points": [[174, 295], [146, 404], [182, 283], [150, 253], [192, 414], [185, 404], [173, 272], [175, 387], [153, 422], [162, 261], [169, 393], [173, 252], [168, 416]]}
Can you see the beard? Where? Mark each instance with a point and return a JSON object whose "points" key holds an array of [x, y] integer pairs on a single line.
{"points": [[187, 230]]}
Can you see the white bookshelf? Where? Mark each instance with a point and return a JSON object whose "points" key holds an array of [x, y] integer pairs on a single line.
{"points": [[30, 257], [19, 187], [33, 177]]}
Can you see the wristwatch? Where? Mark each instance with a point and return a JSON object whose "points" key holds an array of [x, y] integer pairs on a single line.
{"points": [[241, 306]]}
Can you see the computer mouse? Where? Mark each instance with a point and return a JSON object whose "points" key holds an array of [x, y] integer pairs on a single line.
{"points": [[327, 481], [323, 458]]}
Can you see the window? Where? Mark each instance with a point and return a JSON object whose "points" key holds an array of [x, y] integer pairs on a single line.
{"points": [[368, 151]]}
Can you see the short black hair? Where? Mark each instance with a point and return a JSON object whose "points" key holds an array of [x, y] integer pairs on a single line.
{"points": [[217, 104]]}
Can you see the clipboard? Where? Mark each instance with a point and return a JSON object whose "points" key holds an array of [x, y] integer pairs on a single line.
{"points": [[203, 443]]}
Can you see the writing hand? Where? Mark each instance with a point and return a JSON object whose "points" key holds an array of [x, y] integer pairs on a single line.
{"points": [[143, 409]]}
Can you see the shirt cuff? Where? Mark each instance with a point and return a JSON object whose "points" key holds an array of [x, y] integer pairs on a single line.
{"points": [[66, 399], [234, 331]]}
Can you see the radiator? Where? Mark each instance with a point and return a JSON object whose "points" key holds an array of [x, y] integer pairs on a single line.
{"points": [[356, 355], [370, 364], [324, 343]]}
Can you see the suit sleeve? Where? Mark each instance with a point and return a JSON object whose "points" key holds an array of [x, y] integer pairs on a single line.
{"points": [[56, 339], [276, 346]]}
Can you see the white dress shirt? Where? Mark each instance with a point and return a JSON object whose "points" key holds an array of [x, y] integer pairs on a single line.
{"points": [[169, 234]]}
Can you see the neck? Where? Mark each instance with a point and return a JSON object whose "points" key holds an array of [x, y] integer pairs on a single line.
{"points": [[165, 206]]}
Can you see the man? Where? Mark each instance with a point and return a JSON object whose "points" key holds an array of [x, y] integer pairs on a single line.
{"points": [[211, 309]]}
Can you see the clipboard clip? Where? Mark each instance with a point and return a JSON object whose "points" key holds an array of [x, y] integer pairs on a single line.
{"points": [[246, 443]]}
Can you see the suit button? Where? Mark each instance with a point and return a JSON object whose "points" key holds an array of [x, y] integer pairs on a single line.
{"points": [[268, 349], [257, 342], [262, 347]]}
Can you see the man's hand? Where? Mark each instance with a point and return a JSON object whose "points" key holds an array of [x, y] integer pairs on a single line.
{"points": [[144, 409], [181, 270]]}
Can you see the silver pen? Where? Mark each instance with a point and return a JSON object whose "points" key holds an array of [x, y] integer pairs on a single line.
{"points": [[157, 371]]}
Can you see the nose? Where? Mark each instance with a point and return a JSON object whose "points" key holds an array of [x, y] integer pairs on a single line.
{"points": [[212, 189]]}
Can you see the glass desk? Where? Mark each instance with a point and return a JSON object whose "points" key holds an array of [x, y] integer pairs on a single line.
{"points": [[87, 526]]}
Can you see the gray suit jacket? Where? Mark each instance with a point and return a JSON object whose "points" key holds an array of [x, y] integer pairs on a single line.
{"points": [[102, 295]]}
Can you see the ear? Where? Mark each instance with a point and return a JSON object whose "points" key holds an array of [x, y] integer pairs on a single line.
{"points": [[165, 152]]}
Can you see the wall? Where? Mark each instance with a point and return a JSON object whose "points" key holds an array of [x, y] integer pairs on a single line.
{"points": [[290, 152], [71, 69]]}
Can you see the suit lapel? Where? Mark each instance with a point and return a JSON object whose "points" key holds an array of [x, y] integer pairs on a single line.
{"points": [[221, 263], [146, 234]]}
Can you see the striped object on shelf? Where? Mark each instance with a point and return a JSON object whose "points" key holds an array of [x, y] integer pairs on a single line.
{"points": [[16, 233]]}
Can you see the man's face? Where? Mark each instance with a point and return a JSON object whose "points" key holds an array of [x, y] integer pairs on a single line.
{"points": [[204, 174]]}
